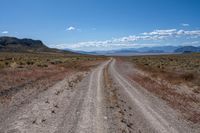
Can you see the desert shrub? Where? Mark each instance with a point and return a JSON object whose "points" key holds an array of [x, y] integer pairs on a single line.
{"points": [[42, 65], [2, 65], [21, 63], [13, 64], [6, 63], [56, 61], [29, 62]]}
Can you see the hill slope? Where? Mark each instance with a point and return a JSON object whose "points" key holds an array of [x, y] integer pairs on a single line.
{"points": [[13, 44], [21, 45]]}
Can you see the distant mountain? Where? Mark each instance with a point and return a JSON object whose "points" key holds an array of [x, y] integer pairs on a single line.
{"points": [[133, 51], [144, 50], [163, 49], [187, 49], [13, 44]]}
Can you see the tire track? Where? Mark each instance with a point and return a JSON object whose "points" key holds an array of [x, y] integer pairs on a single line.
{"points": [[91, 118], [154, 118]]}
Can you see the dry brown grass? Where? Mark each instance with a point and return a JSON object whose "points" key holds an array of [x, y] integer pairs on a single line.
{"points": [[182, 102], [176, 69], [173, 78], [19, 69]]}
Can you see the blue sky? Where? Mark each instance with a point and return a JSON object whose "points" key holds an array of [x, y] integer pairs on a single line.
{"points": [[102, 24]]}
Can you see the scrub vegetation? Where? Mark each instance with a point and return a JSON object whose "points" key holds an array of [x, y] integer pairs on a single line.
{"points": [[19, 69], [173, 78], [176, 68]]}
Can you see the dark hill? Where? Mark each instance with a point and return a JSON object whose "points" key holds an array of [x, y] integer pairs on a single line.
{"points": [[13, 44], [21, 45]]}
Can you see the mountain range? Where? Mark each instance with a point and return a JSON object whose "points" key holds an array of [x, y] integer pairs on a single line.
{"points": [[146, 50], [13, 44]]}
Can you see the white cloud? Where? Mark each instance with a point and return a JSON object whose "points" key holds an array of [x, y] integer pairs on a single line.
{"points": [[4, 32], [173, 32], [138, 38], [71, 28], [155, 37], [185, 25], [161, 32], [192, 33], [104, 45]]}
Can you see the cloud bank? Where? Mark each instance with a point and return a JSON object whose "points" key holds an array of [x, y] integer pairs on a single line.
{"points": [[146, 39]]}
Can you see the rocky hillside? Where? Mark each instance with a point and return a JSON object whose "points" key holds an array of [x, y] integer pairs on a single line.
{"points": [[12, 44]]}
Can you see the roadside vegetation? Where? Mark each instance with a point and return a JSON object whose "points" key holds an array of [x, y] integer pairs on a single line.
{"points": [[174, 78], [30, 60], [175, 68], [17, 70]]}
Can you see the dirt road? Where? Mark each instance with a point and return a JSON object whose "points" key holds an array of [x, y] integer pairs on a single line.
{"points": [[103, 100], [150, 113]]}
